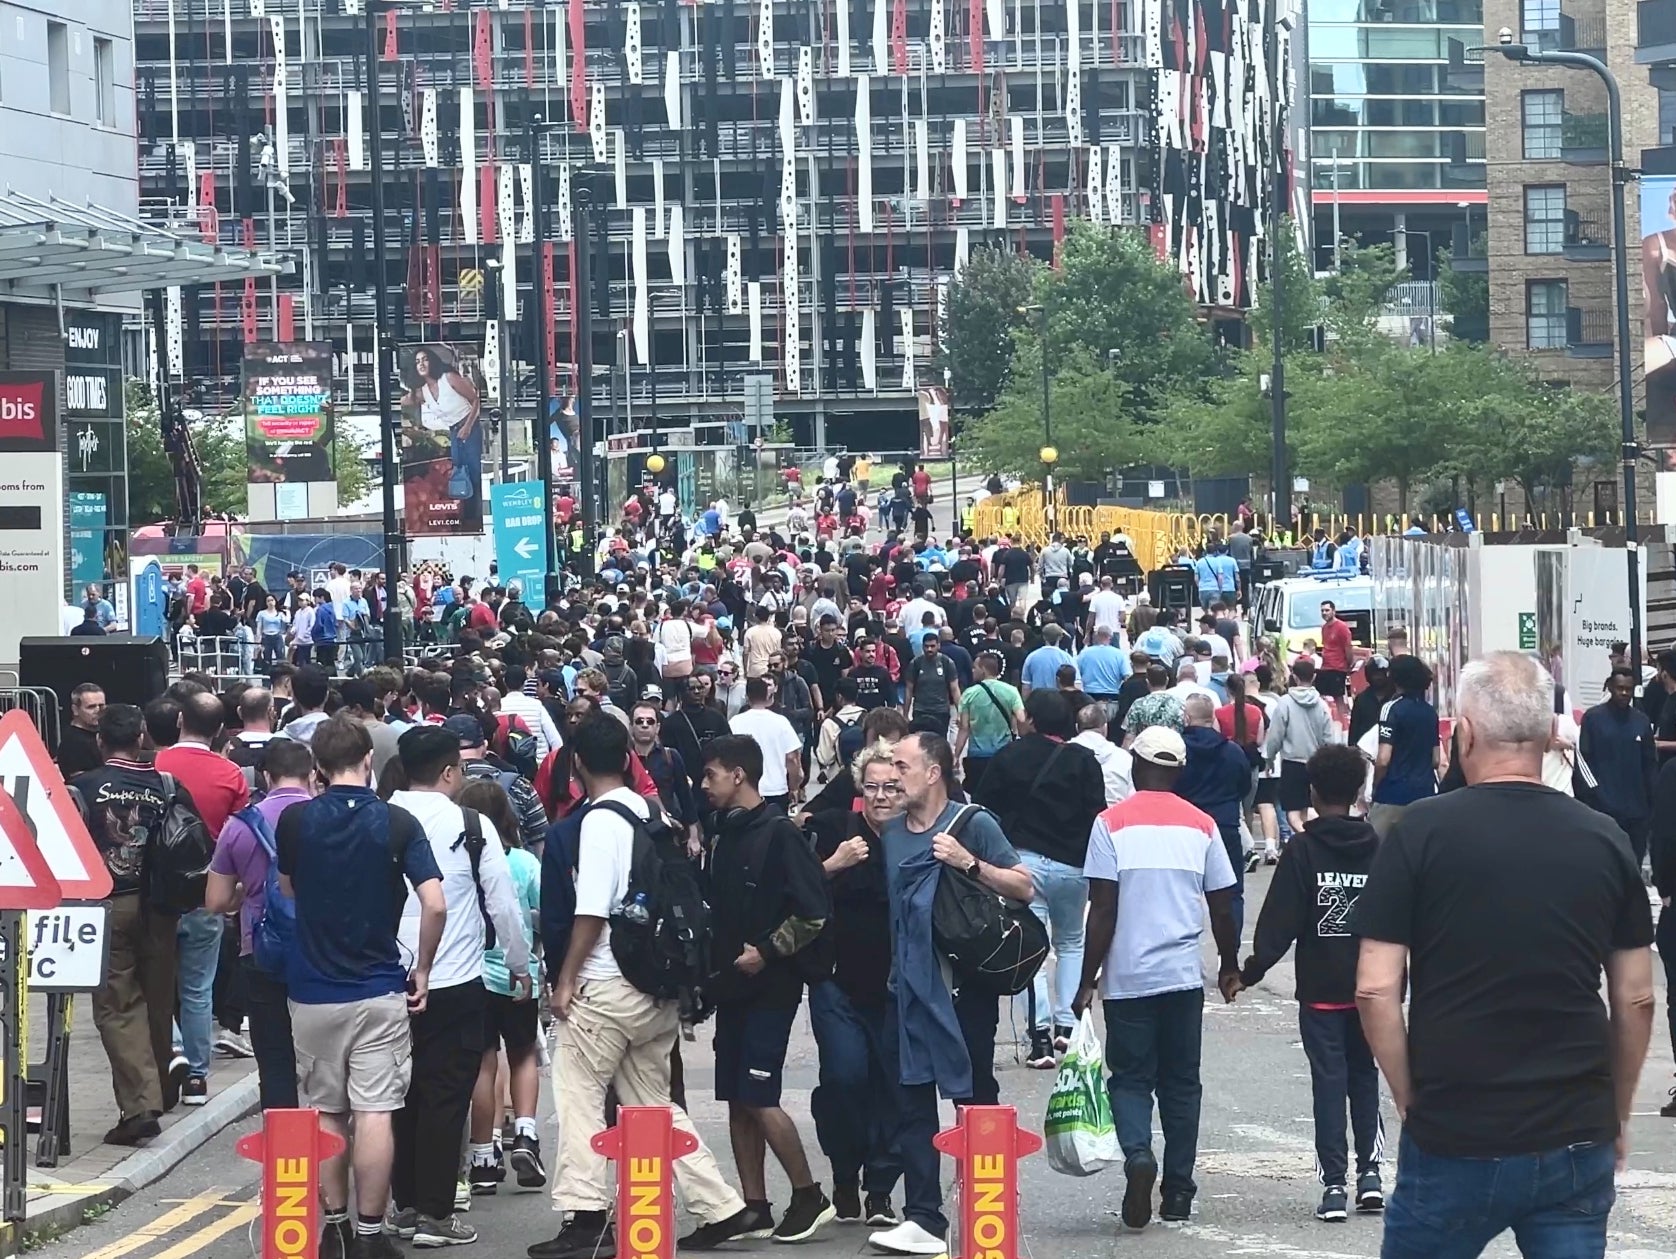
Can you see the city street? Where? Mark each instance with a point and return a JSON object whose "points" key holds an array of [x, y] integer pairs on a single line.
{"points": [[1256, 1179]]}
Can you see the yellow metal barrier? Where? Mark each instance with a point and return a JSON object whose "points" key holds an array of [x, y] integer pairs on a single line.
{"points": [[1157, 537]]}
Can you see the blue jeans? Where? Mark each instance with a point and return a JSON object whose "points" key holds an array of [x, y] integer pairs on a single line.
{"points": [[1556, 1203], [853, 1105], [467, 456], [1152, 1047], [917, 1122], [198, 938], [1060, 901]]}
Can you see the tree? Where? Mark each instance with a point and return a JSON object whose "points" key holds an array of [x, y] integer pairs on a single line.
{"points": [[975, 342], [1091, 429], [1466, 294]]}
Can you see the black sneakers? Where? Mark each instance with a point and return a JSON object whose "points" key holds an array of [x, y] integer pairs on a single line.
{"points": [[485, 1178], [743, 1223], [1176, 1206], [880, 1214], [809, 1209], [134, 1130], [1141, 1173], [846, 1201], [195, 1092], [1668, 1110], [1370, 1194], [1335, 1205], [589, 1235], [373, 1246], [526, 1161], [1041, 1051]]}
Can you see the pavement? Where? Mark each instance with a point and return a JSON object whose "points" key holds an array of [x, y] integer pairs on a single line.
{"points": [[1255, 1170], [94, 1177]]}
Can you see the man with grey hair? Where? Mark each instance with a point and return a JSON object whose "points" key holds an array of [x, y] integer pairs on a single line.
{"points": [[1115, 763], [1216, 779], [1499, 905]]}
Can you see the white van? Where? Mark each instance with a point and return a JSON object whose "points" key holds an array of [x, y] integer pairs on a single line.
{"points": [[1289, 610]]}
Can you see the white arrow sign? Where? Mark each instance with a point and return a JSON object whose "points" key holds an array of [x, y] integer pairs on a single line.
{"points": [[525, 547]]}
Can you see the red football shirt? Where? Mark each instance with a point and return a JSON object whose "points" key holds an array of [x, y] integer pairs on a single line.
{"points": [[1336, 645]]}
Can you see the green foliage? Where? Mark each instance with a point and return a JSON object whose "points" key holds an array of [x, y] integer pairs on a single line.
{"points": [[1466, 294], [975, 343], [1091, 428]]}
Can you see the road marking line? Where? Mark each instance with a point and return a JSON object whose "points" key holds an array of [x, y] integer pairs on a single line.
{"points": [[240, 1217], [162, 1226]]}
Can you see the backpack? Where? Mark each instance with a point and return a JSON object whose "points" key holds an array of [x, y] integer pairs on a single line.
{"points": [[813, 963], [996, 946], [660, 934], [620, 686], [271, 934], [177, 855], [516, 618], [851, 739], [474, 840], [515, 745]]}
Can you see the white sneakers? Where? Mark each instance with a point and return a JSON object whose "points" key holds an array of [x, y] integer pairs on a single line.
{"points": [[908, 1238]]}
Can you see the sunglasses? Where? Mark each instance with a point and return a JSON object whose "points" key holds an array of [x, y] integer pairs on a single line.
{"points": [[645, 721]]}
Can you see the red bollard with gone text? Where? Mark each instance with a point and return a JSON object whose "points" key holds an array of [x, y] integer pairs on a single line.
{"points": [[644, 1145], [986, 1144], [291, 1146]]}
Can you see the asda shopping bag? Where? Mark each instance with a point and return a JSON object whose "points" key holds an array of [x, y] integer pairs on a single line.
{"points": [[1081, 1137]]}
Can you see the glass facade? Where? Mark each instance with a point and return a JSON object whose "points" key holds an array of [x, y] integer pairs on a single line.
{"points": [[1384, 114]]}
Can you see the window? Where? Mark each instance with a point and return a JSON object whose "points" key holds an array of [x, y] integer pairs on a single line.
{"points": [[1545, 219], [1545, 302], [1539, 18], [58, 67], [1543, 111], [104, 82]]}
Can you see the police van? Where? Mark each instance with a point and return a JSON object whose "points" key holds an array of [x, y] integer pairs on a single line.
{"points": [[1288, 610]]}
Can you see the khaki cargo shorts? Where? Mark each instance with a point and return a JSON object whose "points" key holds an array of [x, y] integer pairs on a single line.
{"points": [[353, 1056]]}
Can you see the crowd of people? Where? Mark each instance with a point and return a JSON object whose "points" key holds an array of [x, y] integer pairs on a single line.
{"points": [[735, 770]]}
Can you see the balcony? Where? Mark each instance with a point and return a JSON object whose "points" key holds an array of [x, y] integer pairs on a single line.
{"points": [[1655, 34], [1588, 332], [1468, 254], [1583, 33], [1465, 71], [1583, 139], [1587, 238]]}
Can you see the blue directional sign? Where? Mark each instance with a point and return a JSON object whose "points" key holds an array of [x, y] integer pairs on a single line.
{"points": [[520, 542]]}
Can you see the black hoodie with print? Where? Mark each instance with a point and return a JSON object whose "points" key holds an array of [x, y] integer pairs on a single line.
{"points": [[1321, 872]]}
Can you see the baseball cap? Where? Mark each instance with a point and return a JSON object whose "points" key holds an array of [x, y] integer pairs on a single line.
{"points": [[1378, 662], [1159, 745], [469, 730]]}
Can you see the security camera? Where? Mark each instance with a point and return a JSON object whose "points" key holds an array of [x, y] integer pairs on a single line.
{"points": [[1505, 36]]}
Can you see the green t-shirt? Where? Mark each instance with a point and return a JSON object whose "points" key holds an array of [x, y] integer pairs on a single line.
{"points": [[989, 708], [526, 879]]}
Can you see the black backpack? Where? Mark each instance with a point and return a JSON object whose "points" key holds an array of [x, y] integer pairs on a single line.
{"points": [[851, 738], [474, 839], [621, 685], [996, 945], [660, 934], [178, 849]]}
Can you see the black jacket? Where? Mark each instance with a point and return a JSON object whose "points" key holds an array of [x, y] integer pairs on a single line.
{"points": [[860, 925], [1321, 872], [1046, 795], [763, 873]]}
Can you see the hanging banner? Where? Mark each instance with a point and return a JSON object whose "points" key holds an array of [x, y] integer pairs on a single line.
{"points": [[442, 440], [288, 412], [87, 542], [934, 423], [1658, 265]]}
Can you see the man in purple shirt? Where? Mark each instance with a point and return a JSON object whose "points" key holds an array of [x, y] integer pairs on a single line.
{"points": [[238, 879]]}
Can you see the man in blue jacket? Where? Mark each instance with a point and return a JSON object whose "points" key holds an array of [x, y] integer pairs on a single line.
{"points": [[1216, 780]]}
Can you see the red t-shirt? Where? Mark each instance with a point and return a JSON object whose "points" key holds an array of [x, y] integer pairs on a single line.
{"points": [[922, 482], [878, 591], [632, 509], [216, 785], [1336, 645], [1255, 720], [198, 589], [564, 507]]}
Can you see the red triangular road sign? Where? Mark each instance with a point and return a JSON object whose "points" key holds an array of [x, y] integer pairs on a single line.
{"points": [[25, 880], [60, 834]]}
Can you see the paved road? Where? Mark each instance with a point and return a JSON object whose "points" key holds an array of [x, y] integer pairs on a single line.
{"points": [[1255, 1169]]}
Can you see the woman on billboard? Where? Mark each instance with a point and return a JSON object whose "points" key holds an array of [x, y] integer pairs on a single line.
{"points": [[449, 403]]}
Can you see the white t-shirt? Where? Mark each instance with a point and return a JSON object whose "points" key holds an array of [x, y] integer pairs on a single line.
{"points": [[675, 636], [605, 848], [459, 955], [913, 615], [1107, 609], [776, 738]]}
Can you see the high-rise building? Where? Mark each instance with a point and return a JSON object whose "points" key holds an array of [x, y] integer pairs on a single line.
{"points": [[1397, 134], [781, 187]]}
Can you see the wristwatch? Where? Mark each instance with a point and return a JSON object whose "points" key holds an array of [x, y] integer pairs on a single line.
{"points": [[972, 870]]}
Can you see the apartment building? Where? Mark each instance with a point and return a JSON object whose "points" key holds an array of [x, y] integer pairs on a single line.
{"points": [[780, 187]]}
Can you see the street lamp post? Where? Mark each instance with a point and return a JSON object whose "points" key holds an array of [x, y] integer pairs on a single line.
{"points": [[1040, 311], [1628, 450], [382, 374]]}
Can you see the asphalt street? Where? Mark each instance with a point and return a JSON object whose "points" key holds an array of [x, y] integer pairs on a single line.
{"points": [[1255, 1171]]}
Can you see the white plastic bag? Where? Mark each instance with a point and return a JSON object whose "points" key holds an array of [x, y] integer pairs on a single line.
{"points": [[1081, 1137]]}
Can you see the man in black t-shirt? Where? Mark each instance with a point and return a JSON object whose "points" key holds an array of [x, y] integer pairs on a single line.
{"points": [[1499, 905], [874, 689], [830, 658], [933, 686]]}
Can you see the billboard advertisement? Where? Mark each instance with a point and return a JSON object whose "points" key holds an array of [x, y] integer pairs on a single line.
{"points": [[31, 510], [288, 412], [934, 423], [442, 440], [1658, 292]]}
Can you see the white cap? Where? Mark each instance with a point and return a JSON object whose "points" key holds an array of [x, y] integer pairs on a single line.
{"points": [[1159, 745]]}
